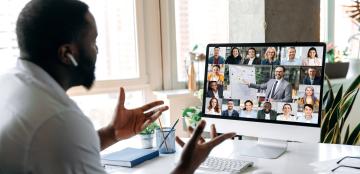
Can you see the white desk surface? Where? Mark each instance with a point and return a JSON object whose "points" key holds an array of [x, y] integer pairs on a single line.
{"points": [[297, 158]]}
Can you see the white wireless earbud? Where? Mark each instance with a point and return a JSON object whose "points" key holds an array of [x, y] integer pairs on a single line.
{"points": [[72, 59]]}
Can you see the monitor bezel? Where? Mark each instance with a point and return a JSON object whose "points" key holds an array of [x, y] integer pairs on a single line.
{"points": [[273, 44]]}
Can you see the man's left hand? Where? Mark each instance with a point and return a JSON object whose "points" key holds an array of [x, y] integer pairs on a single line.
{"points": [[129, 122]]}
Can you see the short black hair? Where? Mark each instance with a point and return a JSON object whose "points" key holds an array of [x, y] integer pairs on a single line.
{"points": [[309, 105], [280, 66], [44, 25]]}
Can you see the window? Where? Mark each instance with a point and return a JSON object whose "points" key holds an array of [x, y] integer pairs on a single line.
{"points": [[199, 23], [9, 11], [117, 58], [338, 28], [188, 23]]}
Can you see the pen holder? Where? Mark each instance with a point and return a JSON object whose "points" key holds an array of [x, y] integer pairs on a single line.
{"points": [[169, 145]]}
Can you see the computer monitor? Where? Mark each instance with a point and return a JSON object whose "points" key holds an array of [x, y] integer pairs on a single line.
{"points": [[272, 91]]}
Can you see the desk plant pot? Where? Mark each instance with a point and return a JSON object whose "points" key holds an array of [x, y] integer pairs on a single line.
{"points": [[147, 136], [147, 141], [336, 70]]}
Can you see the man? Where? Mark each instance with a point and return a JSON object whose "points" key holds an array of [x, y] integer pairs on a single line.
{"points": [[312, 79], [278, 89], [230, 112], [291, 59], [266, 113], [214, 90], [308, 115], [42, 129], [216, 59], [251, 58]]}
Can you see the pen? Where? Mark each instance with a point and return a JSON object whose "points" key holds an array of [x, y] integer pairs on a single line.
{"points": [[172, 128], [162, 132]]}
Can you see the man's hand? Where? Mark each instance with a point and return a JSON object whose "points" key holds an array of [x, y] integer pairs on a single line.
{"points": [[197, 150], [129, 122]]}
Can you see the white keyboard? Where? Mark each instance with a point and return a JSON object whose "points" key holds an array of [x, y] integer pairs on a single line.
{"points": [[225, 165]]}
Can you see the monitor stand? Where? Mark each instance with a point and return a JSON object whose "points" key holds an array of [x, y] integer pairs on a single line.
{"points": [[263, 148]]}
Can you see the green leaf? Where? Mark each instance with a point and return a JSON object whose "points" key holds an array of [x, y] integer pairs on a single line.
{"points": [[329, 101], [354, 85], [195, 48], [346, 108], [354, 136], [325, 126], [346, 134], [335, 113], [187, 110], [326, 96], [329, 136]]}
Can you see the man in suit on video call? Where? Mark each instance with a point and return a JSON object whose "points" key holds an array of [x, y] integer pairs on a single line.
{"points": [[312, 79], [278, 89]]}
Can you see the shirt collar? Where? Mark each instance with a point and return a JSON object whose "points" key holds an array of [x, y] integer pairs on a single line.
{"points": [[41, 78]]}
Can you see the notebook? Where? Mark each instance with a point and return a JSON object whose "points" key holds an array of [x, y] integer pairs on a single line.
{"points": [[129, 157]]}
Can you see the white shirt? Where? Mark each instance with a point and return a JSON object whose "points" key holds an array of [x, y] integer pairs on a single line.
{"points": [[314, 119], [283, 118], [249, 114], [267, 116], [41, 129], [212, 112], [216, 94], [251, 60]]}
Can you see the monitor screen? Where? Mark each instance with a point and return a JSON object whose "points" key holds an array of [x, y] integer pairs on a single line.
{"points": [[265, 82]]}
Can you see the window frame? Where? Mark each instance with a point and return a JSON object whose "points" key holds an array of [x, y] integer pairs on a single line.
{"points": [[140, 83]]}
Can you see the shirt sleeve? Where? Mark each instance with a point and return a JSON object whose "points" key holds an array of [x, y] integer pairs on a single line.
{"points": [[67, 143]]}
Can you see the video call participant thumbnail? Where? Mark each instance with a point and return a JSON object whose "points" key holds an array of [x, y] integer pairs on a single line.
{"points": [[308, 115], [213, 107], [270, 57], [266, 113], [248, 111], [215, 90], [234, 57], [216, 58], [251, 58], [278, 89], [291, 58], [230, 111], [312, 78], [215, 74], [312, 58], [286, 115]]}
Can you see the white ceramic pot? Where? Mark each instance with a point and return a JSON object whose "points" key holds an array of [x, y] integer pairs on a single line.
{"points": [[354, 68], [147, 141]]}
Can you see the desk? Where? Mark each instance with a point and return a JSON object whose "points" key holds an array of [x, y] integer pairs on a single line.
{"points": [[297, 159]]}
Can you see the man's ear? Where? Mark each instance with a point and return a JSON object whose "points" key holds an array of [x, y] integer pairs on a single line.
{"points": [[64, 51]]}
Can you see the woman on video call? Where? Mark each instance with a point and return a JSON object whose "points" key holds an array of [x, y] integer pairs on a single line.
{"points": [[312, 58], [270, 57], [235, 57], [213, 108]]}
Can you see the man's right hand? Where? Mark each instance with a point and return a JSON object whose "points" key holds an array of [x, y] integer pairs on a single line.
{"points": [[197, 150]]}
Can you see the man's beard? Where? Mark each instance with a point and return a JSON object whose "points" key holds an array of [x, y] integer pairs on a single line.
{"points": [[86, 70]]}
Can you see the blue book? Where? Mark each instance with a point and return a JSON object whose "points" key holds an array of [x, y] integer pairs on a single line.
{"points": [[129, 157]]}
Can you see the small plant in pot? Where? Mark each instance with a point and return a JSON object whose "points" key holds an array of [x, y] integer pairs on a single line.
{"points": [[147, 135]]}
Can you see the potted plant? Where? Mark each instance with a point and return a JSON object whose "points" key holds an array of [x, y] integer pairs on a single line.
{"points": [[337, 108], [191, 116], [147, 135], [334, 67]]}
